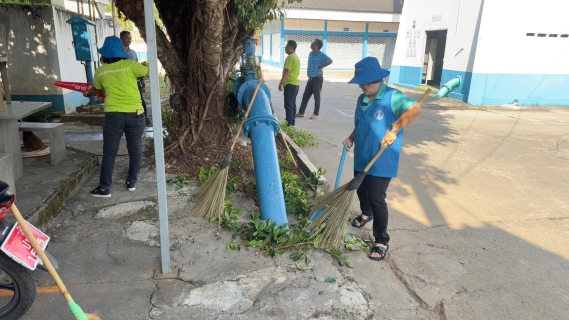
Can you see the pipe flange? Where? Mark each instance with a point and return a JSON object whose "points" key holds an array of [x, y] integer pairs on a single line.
{"points": [[261, 121], [247, 85]]}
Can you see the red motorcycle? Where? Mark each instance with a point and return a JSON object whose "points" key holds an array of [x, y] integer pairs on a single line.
{"points": [[17, 259]]}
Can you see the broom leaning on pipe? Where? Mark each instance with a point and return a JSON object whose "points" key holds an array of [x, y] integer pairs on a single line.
{"points": [[74, 307], [211, 195], [328, 227]]}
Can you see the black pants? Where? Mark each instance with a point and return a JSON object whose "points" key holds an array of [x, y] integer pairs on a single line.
{"points": [[372, 194], [290, 92], [142, 98], [116, 124], [313, 86]]}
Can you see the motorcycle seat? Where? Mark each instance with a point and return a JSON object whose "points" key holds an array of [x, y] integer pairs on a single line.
{"points": [[3, 189]]}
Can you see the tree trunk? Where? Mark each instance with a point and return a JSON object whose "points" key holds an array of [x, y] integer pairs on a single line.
{"points": [[198, 54]]}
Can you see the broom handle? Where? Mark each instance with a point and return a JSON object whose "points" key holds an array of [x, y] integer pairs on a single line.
{"points": [[47, 264], [247, 112], [385, 145]]}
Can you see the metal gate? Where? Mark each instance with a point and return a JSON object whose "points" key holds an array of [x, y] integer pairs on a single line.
{"points": [[345, 51], [382, 48], [303, 42]]}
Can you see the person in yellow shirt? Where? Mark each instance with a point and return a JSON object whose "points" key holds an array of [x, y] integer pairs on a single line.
{"points": [[289, 82], [123, 113]]}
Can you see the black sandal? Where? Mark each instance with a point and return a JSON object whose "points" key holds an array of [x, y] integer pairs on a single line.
{"points": [[361, 221], [381, 250]]}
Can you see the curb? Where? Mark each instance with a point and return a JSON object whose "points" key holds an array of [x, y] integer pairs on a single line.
{"points": [[51, 206], [91, 119], [303, 162]]}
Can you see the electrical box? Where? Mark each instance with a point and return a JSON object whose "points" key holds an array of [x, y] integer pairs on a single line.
{"points": [[83, 39]]}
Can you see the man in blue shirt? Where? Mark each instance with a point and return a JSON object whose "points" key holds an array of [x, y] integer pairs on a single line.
{"points": [[317, 60], [126, 39]]}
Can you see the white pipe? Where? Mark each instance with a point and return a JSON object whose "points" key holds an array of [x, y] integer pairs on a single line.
{"points": [[150, 24]]}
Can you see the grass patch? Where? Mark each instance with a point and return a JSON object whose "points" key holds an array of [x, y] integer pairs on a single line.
{"points": [[301, 137]]}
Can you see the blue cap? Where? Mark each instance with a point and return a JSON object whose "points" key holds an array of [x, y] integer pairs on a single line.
{"points": [[113, 48], [368, 70]]}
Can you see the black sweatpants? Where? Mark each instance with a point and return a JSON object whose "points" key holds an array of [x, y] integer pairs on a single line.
{"points": [[372, 193]]}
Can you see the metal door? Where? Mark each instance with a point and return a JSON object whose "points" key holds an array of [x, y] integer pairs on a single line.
{"points": [[382, 48], [303, 42], [346, 51]]}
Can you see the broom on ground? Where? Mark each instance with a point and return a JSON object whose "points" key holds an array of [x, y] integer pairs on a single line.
{"points": [[328, 228], [210, 197], [32, 142], [73, 306]]}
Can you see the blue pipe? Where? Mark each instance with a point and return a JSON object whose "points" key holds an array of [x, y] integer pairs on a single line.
{"points": [[447, 88], [262, 127]]}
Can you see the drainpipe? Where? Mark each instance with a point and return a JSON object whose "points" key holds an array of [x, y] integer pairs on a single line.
{"points": [[261, 127], [447, 88]]}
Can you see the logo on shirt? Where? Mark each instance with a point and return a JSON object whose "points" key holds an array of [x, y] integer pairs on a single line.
{"points": [[378, 115]]}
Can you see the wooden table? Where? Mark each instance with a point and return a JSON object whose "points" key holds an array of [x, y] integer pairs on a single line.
{"points": [[9, 133]]}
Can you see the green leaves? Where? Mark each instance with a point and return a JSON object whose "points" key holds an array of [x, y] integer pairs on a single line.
{"points": [[330, 280], [254, 13], [296, 199], [301, 137], [204, 174], [179, 181]]}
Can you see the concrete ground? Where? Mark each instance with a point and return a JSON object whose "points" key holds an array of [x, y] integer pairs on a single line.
{"points": [[478, 225]]}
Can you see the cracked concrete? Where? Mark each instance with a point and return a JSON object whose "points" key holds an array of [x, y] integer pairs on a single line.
{"points": [[477, 224]]}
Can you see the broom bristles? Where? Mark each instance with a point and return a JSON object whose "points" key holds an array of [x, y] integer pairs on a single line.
{"points": [[329, 227], [210, 197], [328, 198], [32, 142]]}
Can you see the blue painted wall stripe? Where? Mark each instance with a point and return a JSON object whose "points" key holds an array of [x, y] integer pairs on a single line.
{"points": [[345, 33], [364, 53], [59, 102], [527, 89]]}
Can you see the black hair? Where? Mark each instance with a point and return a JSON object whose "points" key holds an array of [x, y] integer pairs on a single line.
{"points": [[318, 43], [106, 60], [122, 34], [292, 44]]}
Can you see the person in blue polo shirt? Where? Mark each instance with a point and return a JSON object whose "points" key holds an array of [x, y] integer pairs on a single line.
{"points": [[381, 114], [317, 60]]}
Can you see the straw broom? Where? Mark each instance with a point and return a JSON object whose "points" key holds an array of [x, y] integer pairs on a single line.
{"points": [[32, 142], [73, 306], [329, 227], [210, 197]]}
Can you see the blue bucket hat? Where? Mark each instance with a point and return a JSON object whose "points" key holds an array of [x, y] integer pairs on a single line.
{"points": [[368, 70], [113, 48]]}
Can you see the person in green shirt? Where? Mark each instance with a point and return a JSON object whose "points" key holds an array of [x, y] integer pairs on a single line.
{"points": [[289, 81], [123, 112]]}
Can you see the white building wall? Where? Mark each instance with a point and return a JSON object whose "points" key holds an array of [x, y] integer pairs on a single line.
{"points": [[71, 70], [457, 17], [504, 48]]}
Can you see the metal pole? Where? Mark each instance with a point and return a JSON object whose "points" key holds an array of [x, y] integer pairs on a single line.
{"points": [[157, 126], [114, 18], [90, 12], [94, 5]]}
